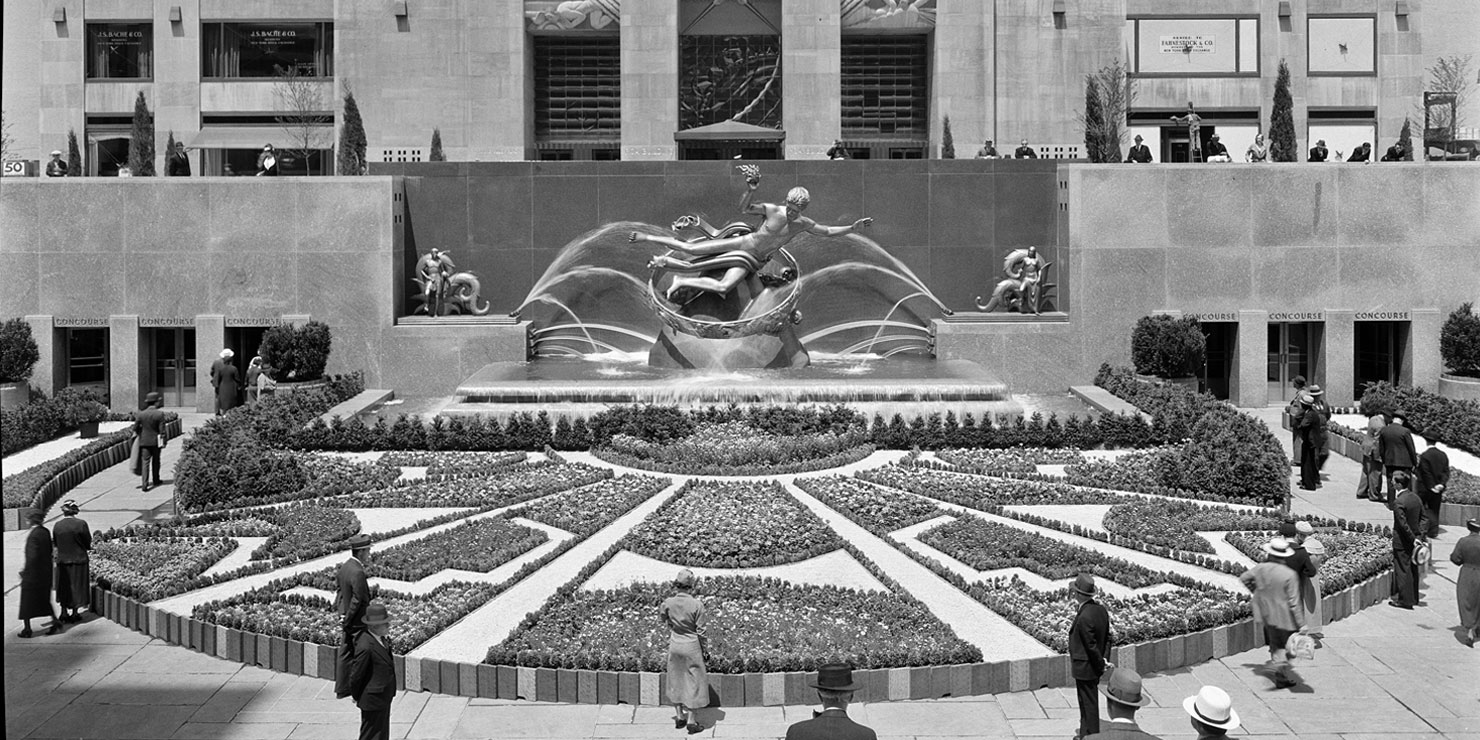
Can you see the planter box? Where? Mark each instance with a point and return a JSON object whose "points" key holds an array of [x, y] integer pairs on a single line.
{"points": [[1459, 388], [490, 681], [1455, 515]]}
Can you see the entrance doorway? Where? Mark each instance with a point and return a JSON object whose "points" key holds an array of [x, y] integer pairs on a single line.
{"points": [[245, 341], [1380, 350], [1222, 357], [1294, 349], [85, 358], [744, 150], [170, 362]]}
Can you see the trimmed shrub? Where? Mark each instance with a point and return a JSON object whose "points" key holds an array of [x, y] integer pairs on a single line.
{"points": [[297, 354], [1459, 342], [1168, 347], [18, 352], [1430, 414]]}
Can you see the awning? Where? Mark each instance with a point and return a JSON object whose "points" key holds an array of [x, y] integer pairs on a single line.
{"points": [[730, 131], [248, 137]]}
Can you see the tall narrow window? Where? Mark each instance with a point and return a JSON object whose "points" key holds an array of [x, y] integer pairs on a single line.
{"points": [[578, 88], [886, 87], [729, 78], [120, 51]]}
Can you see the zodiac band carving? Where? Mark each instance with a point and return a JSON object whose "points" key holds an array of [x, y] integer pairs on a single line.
{"points": [[1024, 290], [443, 291]]}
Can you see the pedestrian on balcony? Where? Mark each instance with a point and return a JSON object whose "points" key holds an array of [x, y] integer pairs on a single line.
{"points": [[1025, 152], [1319, 152], [72, 540], [267, 162], [1139, 153], [1089, 652], [988, 151], [688, 683], [837, 151]]}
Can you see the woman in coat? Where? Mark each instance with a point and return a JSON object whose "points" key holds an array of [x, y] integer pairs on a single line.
{"points": [[224, 380], [72, 540], [1313, 440], [688, 683], [36, 579], [1310, 586], [1467, 556]]}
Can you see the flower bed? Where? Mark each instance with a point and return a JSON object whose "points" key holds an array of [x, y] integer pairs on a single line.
{"points": [[1134, 471], [836, 460], [329, 475], [986, 545], [752, 624], [1444, 419], [445, 463], [306, 528], [981, 492], [885, 509], [1015, 460], [587, 509], [737, 448], [478, 546], [732, 525], [508, 486], [1175, 524], [1351, 557], [19, 490], [147, 568]]}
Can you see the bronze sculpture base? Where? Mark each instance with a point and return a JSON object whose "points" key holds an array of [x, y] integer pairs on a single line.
{"points": [[678, 350]]}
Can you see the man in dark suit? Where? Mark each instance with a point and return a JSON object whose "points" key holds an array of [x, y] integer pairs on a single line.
{"points": [[351, 603], [1123, 697], [373, 675], [1407, 517], [1395, 449], [1140, 153], [72, 540], [149, 426], [1319, 152], [1025, 152], [1433, 478], [1089, 646], [835, 688]]}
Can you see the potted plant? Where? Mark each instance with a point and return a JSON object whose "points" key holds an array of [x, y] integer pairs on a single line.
{"points": [[83, 408], [296, 356], [18, 356], [1459, 345], [1167, 349]]}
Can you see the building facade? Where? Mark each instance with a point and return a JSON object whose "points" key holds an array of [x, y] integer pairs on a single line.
{"points": [[697, 79]]}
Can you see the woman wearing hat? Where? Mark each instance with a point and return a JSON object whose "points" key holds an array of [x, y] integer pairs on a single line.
{"points": [[267, 162], [1467, 556], [1212, 713], [688, 683], [224, 380], [36, 580], [1276, 603], [1310, 579], [73, 540], [1313, 438]]}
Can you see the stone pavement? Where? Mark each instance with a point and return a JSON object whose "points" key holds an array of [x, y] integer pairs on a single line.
{"points": [[1384, 673]]}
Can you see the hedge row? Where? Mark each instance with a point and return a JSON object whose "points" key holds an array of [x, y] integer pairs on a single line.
{"points": [[43, 419], [1443, 419]]}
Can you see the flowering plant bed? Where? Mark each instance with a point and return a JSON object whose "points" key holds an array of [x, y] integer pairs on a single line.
{"points": [[751, 624], [478, 546], [148, 568], [1175, 524], [509, 486], [587, 509], [737, 448], [334, 474], [1013, 460], [884, 509], [981, 492], [305, 528], [442, 463], [732, 525], [1134, 471], [988, 545], [1351, 557]]}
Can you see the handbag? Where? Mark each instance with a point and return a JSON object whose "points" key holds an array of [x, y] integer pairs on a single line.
{"points": [[135, 457], [1301, 646]]}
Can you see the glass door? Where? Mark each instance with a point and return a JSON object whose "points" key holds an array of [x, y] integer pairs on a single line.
{"points": [[1218, 371], [1294, 350], [87, 358], [172, 365]]}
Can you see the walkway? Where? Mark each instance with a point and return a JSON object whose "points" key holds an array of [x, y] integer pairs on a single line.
{"points": [[1384, 673]]}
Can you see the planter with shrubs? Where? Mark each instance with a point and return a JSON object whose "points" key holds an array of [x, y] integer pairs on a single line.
{"points": [[1459, 345], [1167, 349], [18, 357]]}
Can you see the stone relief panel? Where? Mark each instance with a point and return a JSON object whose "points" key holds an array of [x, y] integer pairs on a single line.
{"points": [[892, 15], [573, 15]]}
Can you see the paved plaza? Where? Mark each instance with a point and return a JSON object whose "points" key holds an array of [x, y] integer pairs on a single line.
{"points": [[1383, 673]]}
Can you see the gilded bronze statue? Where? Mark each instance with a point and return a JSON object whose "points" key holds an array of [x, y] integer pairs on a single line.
{"points": [[1024, 290], [443, 291]]}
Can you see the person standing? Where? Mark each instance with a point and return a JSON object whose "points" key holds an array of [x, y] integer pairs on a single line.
{"points": [[1407, 517], [1212, 713], [1258, 151], [72, 540], [1089, 651], [1123, 696], [1395, 449], [36, 581], [1395, 153], [267, 162], [149, 428], [1467, 590], [1318, 397], [373, 675], [835, 689], [351, 602], [688, 682], [1313, 552], [837, 151], [1139, 153], [1312, 439], [56, 167], [988, 151], [1294, 411], [1370, 484], [1025, 152], [224, 380], [1276, 603], [177, 164], [1194, 131], [1319, 152], [1433, 477]]}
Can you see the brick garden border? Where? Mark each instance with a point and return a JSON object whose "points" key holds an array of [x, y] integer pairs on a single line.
{"points": [[73, 475], [581, 686]]}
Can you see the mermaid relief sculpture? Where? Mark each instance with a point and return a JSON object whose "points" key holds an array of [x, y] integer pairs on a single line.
{"points": [[744, 254], [1024, 289]]}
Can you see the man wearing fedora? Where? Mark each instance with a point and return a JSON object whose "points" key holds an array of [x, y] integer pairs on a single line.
{"points": [[1312, 426], [1396, 450], [1212, 713], [1407, 532], [353, 599], [149, 428], [835, 688], [1089, 644], [1276, 602], [72, 539], [1433, 478], [1123, 696], [373, 675]]}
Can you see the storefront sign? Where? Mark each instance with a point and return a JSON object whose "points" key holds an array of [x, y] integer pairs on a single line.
{"points": [[119, 37], [270, 39], [1187, 44], [167, 321], [1213, 315], [1384, 316], [240, 321], [1297, 315], [75, 321]]}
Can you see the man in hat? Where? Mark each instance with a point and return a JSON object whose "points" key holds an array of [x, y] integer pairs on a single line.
{"points": [[835, 689], [1396, 450], [150, 433], [1212, 713], [351, 603], [1194, 131], [1362, 153], [1089, 646], [1300, 560], [1312, 426], [1467, 589], [988, 151], [1123, 696], [1433, 477], [1407, 523], [1025, 152], [1295, 410], [267, 162], [56, 167], [1319, 152], [72, 539], [223, 379], [1217, 152], [373, 675], [1276, 603], [1140, 153]]}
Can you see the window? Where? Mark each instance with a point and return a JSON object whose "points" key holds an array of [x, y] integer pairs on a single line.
{"points": [[1222, 47], [107, 144], [724, 78], [1342, 46], [119, 51], [266, 49], [87, 357], [578, 88], [885, 85]]}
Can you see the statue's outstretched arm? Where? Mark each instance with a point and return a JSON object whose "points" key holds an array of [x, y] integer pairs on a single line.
{"points": [[817, 228]]}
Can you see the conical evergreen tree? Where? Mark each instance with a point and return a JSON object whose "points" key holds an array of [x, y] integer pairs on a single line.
{"points": [[1094, 121], [1282, 144], [1405, 138], [947, 142], [74, 155], [169, 151], [141, 141], [352, 143], [436, 154]]}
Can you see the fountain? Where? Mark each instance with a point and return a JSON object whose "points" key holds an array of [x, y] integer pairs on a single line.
{"points": [[788, 311]]}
